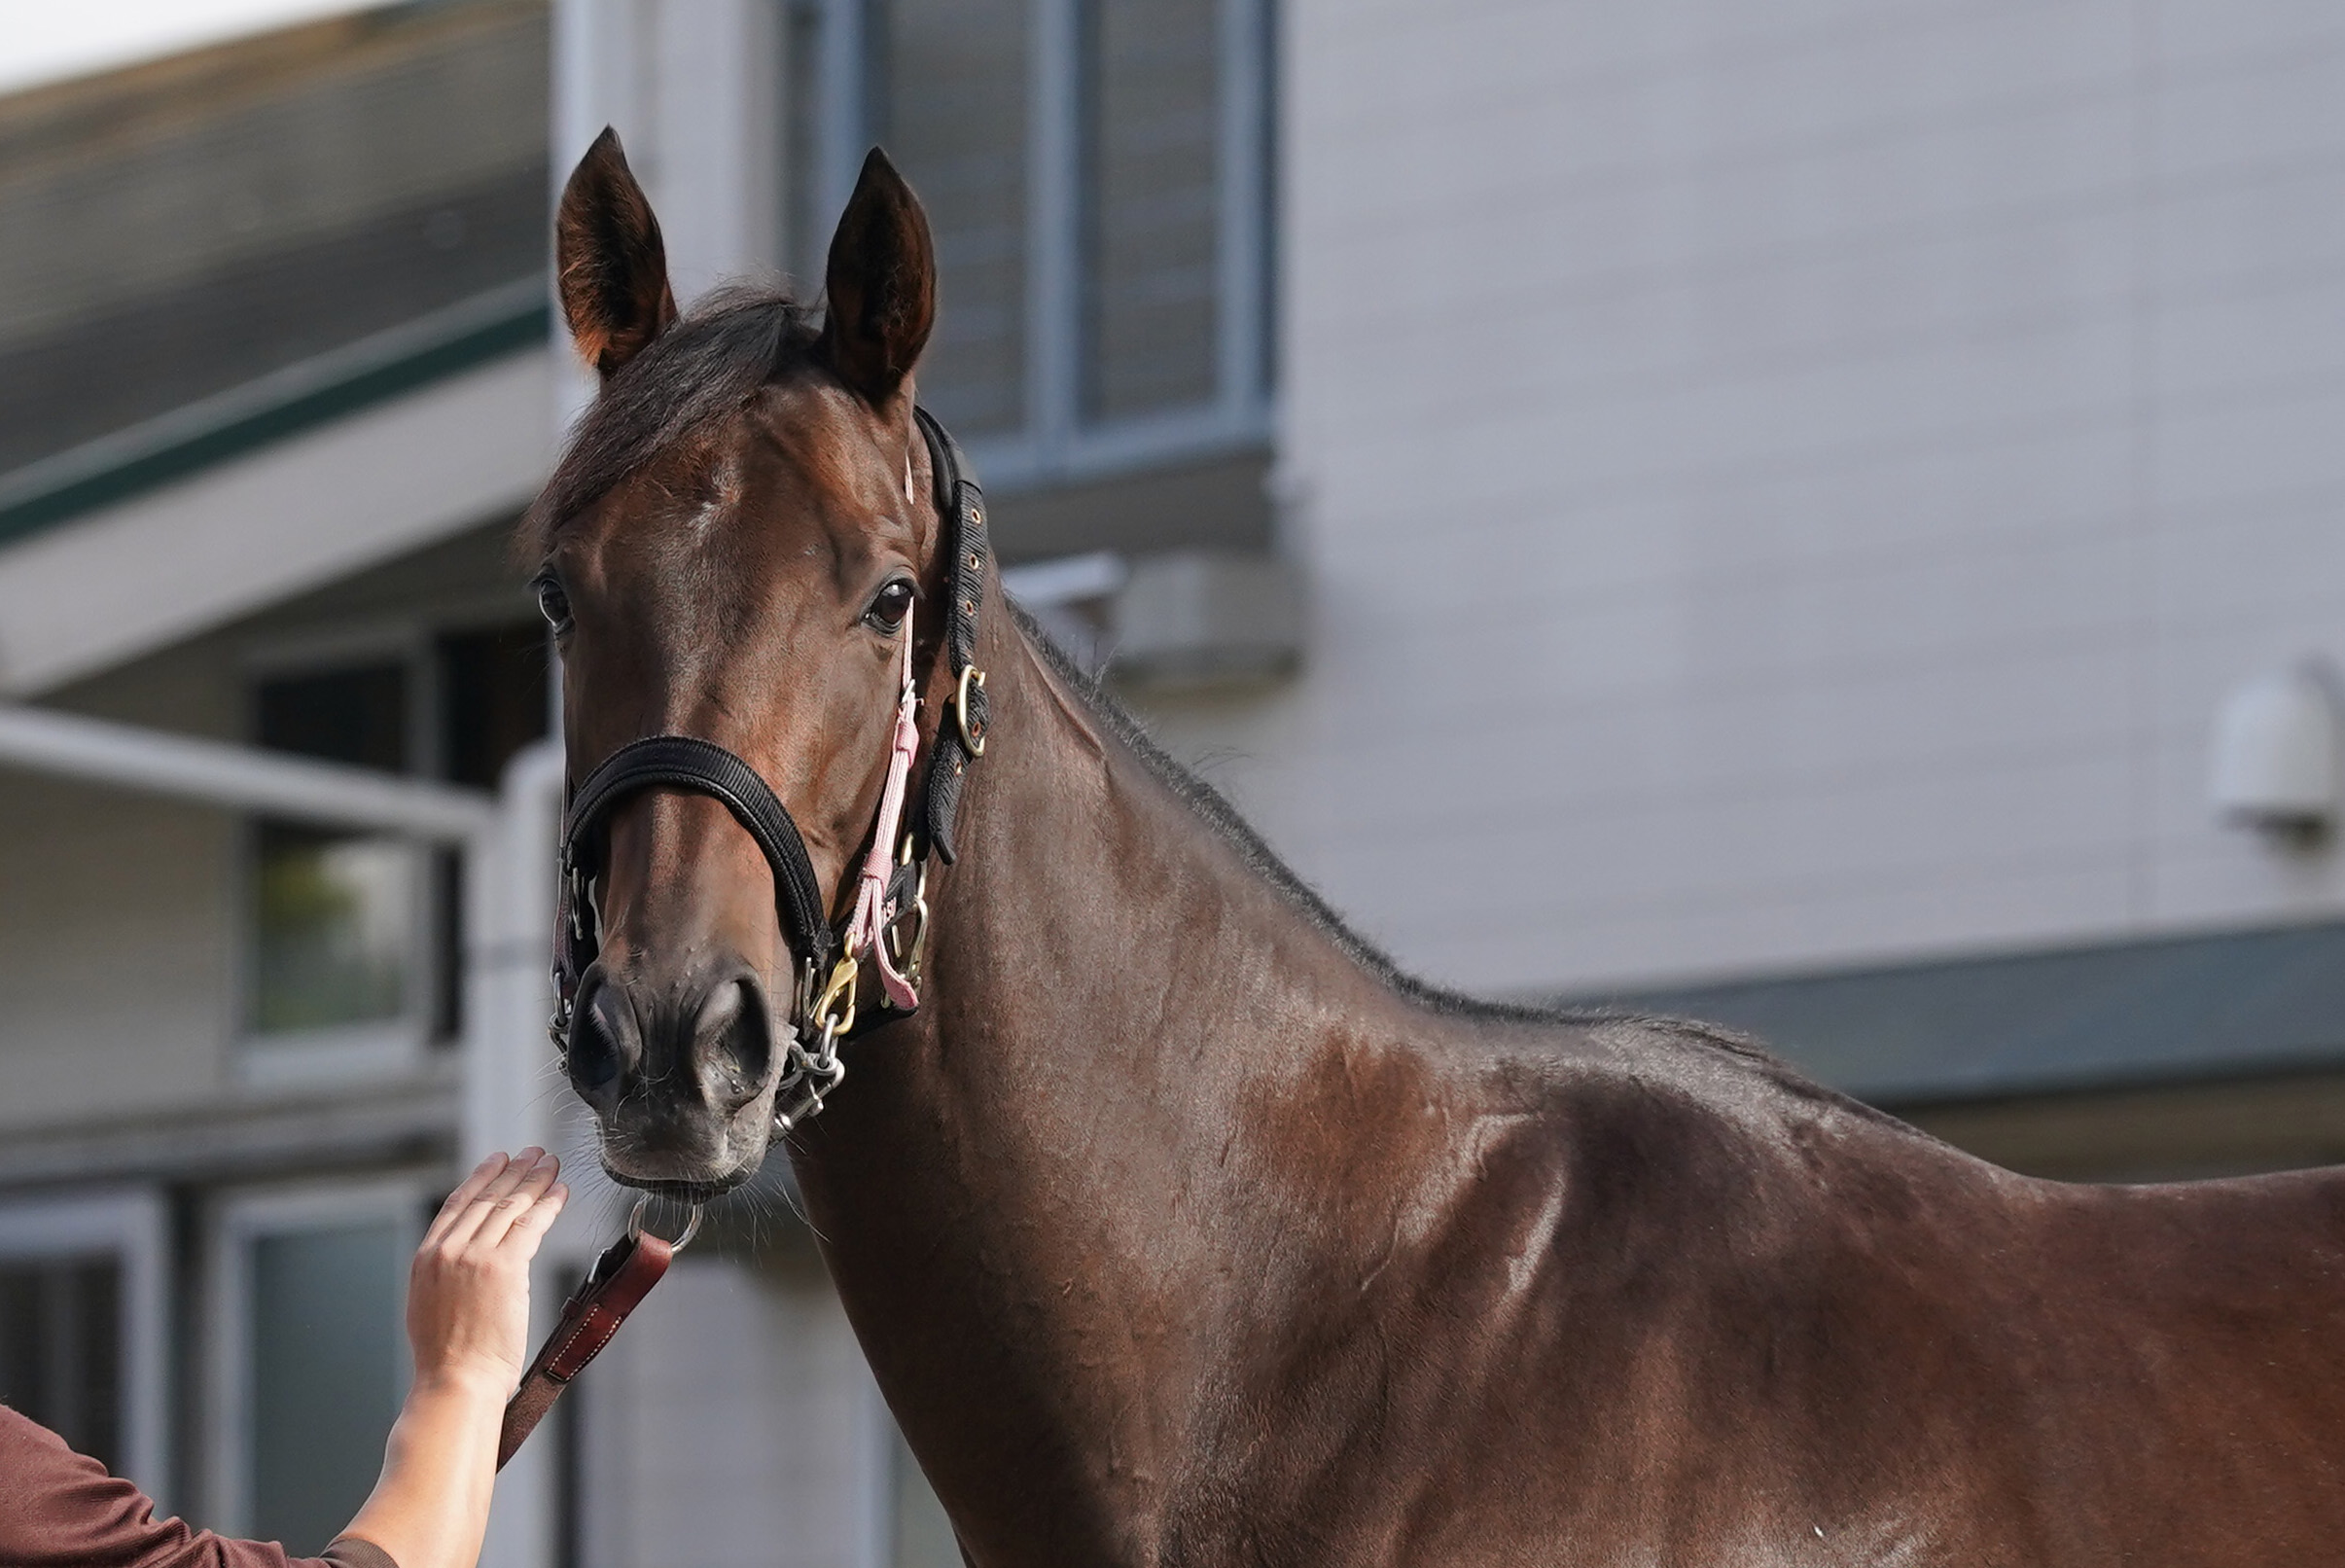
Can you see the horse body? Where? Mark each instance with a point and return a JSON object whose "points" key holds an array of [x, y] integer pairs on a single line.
{"points": [[1297, 1267], [1178, 1228]]}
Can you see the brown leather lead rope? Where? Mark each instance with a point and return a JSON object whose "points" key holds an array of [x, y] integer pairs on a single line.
{"points": [[621, 1279]]}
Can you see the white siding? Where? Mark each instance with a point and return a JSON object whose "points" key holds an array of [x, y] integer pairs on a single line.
{"points": [[1789, 485], [122, 916], [733, 1424], [118, 946]]}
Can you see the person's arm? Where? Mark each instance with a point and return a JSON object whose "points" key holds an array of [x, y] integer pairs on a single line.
{"points": [[468, 1319]]}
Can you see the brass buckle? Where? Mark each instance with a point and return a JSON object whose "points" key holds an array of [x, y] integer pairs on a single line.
{"points": [[973, 742], [842, 984]]}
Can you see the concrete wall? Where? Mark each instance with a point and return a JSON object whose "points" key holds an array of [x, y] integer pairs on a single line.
{"points": [[1791, 483]]}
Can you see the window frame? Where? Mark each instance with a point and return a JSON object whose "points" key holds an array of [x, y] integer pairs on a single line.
{"points": [[1058, 444], [377, 1049], [409, 1045], [132, 1225], [236, 1218]]}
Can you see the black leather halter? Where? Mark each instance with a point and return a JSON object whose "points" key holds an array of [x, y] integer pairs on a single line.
{"points": [[690, 763]]}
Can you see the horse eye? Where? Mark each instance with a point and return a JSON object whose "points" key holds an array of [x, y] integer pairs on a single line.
{"points": [[554, 604], [888, 610]]}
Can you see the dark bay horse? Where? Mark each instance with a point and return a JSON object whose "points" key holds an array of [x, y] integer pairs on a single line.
{"points": [[1178, 1227]]}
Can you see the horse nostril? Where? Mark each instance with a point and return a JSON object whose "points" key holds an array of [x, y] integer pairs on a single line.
{"points": [[599, 1035], [734, 1044]]}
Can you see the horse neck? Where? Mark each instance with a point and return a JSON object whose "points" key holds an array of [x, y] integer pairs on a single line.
{"points": [[1112, 957], [1136, 1075]]}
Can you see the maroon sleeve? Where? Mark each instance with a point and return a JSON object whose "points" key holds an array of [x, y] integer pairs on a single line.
{"points": [[59, 1508]]}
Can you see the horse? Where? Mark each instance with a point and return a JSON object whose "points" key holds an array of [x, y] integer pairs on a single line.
{"points": [[1181, 1228]]}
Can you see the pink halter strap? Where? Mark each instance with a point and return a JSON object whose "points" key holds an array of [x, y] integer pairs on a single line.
{"points": [[872, 916]]}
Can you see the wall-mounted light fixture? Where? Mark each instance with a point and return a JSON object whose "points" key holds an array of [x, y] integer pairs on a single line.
{"points": [[2275, 764]]}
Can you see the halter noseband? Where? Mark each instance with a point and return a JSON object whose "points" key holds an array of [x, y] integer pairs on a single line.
{"points": [[888, 892]]}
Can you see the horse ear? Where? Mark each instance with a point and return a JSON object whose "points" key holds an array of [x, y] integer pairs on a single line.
{"points": [[611, 259], [882, 283]]}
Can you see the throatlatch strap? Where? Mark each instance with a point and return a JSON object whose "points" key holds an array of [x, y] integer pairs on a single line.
{"points": [[615, 1286], [685, 761], [963, 506]]}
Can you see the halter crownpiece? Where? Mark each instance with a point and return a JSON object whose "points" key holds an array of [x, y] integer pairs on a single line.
{"points": [[891, 889]]}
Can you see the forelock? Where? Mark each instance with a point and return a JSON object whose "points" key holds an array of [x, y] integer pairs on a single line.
{"points": [[702, 369]]}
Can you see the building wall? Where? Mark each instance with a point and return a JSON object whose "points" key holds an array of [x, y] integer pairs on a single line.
{"points": [[767, 1451], [122, 921], [112, 953], [1791, 485], [177, 229]]}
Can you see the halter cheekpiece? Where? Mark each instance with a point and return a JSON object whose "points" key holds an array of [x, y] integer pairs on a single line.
{"points": [[888, 922]]}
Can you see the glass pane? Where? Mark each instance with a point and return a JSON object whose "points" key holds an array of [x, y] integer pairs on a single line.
{"points": [[1149, 210], [492, 699], [357, 716], [334, 917], [326, 1375], [922, 1536], [950, 81], [335, 926], [60, 1350]]}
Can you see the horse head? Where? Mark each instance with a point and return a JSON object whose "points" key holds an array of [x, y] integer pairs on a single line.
{"points": [[731, 550]]}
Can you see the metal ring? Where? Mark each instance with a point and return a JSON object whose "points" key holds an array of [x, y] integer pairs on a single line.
{"points": [[973, 742], [635, 1232]]}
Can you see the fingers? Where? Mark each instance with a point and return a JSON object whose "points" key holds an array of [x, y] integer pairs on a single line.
{"points": [[458, 1200], [485, 1199], [529, 1230], [523, 1199]]}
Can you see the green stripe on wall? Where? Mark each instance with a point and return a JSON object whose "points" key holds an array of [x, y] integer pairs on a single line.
{"points": [[369, 382]]}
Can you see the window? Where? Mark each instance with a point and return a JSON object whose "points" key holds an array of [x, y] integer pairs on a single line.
{"points": [[334, 913], [308, 1355], [355, 943], [61, 1348], [84, 1336], [1097, 176], [1148, 207], [492, 685]]}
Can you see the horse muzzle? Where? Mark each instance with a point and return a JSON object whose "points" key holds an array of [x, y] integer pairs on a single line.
{"points": [[680, 1074]]}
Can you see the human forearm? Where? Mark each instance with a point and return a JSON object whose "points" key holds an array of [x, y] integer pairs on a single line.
{"points": [[468, 1321], [430, 1507]]}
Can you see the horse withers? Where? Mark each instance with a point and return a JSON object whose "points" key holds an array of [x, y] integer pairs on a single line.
{"points": [[1178, 1227]]}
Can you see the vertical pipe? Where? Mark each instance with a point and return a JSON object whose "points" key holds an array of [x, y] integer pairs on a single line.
{"points": [[508, 1089], [847, 111], [1241, 171], [1054, 228], [147, 1356], [590, 50]]}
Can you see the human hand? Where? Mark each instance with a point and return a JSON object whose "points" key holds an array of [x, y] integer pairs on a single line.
{"points": [[468, 1293]]}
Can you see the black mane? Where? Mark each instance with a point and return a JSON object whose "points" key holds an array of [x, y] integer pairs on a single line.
{"points": [[1214, 810]]}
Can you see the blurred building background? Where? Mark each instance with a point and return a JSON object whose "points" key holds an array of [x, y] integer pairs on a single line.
{"points": [[274, 377], [1821, 515]]}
